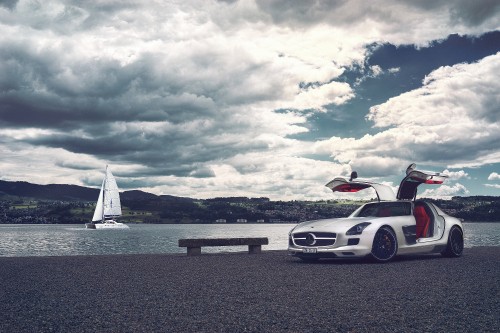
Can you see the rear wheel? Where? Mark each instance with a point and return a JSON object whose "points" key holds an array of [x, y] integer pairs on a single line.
{"points": [[385, 245], [455, 245]]}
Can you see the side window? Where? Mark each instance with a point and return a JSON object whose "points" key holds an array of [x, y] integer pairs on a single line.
{"points": [[368, 210], [401, 209], [385, 209]]}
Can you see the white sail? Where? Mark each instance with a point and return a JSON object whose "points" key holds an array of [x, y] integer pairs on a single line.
{"points": [[112, 206], [98, 208], [108, 206]]}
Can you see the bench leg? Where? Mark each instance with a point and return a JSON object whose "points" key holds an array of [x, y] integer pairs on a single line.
{"points": [[193, 251], [254, 249]]}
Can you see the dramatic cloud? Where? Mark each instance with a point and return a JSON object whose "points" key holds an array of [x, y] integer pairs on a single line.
{"points": [[218, 98], [428, 124]]}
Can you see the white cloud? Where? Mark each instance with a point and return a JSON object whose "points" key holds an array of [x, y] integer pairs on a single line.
{"points": [[494, 176], [456, 175], [376, 70], [493, 185], [451, 120], [376, 166], [373, 72], [463, 93], [316, 97], [278, 177], [445, 191]]}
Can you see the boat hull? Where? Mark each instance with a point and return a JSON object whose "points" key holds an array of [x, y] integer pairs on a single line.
{"points": [[107, 225]]}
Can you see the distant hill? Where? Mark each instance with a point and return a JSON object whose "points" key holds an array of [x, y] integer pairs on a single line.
{"points": [[137, 195], [64, 192], [49, 192]]}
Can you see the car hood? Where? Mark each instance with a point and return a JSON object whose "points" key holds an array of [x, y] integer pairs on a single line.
{"points": [[330, 224]]}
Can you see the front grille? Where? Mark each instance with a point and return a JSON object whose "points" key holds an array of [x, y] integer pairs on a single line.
{"points": [[314, 239], [317, 234]]}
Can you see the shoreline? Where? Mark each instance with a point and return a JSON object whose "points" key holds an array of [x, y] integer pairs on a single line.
{"points": [[237, 292], [203, 223]]}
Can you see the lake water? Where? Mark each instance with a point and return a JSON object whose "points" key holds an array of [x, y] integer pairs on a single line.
{"points": [[61, 240]]}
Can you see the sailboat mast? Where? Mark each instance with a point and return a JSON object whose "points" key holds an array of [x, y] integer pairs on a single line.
{"points": [[104, 182]]}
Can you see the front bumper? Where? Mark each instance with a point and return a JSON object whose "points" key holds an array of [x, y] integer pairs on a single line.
{"points": [[344, 247], [343, 252]]}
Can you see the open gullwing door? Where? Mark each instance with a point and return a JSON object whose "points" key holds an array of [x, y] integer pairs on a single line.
{"points": [[408, 187], [340, 184]]}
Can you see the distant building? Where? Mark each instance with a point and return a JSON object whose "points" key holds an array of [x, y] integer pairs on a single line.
{"points": [[260, 221], [220, 221], [241, 221]]}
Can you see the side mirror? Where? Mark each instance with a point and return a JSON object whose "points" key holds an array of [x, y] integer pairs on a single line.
{"points": [[410, 168], [354, 175]]}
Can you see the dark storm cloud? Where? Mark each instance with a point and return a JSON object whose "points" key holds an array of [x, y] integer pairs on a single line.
{"points": [[345, 12], [40, 89], [165, 168], [10, 4], [43, 87], [180, 153], [451, 153], [471, 13], [71, 16], [297, 11], [73, 165], [476, 12], [133, 113]]}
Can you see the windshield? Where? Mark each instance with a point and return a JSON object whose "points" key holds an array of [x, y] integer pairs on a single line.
{"points": [[383, 209]]}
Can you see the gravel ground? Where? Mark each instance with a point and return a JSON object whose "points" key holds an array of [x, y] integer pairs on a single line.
{"points": [[268, 292]]}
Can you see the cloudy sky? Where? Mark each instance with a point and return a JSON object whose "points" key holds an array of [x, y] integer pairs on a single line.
{"points": [[269, 98]]}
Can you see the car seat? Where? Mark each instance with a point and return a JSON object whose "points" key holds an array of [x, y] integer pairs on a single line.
{"points": [[423, 221]]}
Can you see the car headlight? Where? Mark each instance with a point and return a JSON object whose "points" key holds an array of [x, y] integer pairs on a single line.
{"points": [[357, 229]]}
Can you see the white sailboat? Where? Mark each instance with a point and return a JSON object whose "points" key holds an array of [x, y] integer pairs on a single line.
{"points": [[108, 206]]}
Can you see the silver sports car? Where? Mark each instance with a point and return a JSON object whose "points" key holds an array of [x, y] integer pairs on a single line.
{"points": [[394, 225]]}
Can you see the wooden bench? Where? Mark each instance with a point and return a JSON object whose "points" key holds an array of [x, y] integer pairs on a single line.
{"points": [[194, 244]]}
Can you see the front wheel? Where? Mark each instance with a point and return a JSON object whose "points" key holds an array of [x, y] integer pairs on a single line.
{"points": [[455, 245], [385, 245]]}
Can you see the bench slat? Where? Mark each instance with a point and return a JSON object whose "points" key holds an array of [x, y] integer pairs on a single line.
{"points": [[199, 242]]}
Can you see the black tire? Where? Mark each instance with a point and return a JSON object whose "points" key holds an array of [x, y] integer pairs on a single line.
{"points": [[455, 246], [385, 245]]}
